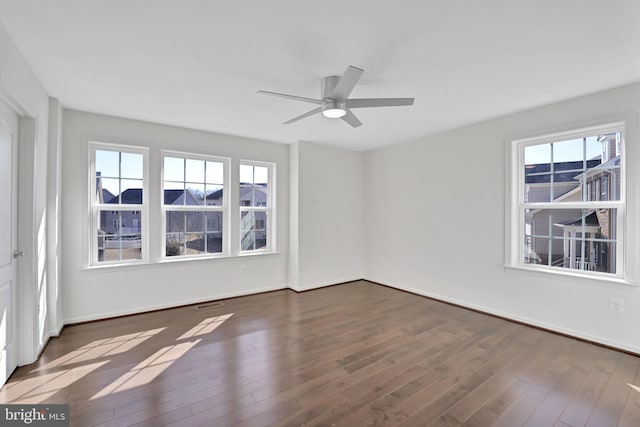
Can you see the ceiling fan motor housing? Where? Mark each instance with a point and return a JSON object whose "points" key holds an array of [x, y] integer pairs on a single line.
{"points": [[327, 84], [331, 108]]}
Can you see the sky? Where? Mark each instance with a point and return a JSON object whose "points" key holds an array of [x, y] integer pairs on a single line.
{"points": [[563, 151], [201, 175]]}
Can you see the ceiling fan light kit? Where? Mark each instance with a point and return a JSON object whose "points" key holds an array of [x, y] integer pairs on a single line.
{"points": [[334, 110], [335, 102]]}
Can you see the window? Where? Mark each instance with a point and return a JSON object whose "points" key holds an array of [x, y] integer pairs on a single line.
{"points": [[569, 202], [119, 177], [194, 205], [256, 206]]}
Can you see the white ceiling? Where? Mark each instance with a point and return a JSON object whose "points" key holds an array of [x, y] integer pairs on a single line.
{"points": [[199, 63]]}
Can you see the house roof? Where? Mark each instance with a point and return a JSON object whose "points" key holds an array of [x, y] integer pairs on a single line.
{"points": [[133, 196], [573, 170], [216, 195], [170, 196], [107, 196], [612, 163], [590, 219]]}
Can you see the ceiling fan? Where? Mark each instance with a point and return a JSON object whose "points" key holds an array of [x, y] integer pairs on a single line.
{"points": [[335, 102]]}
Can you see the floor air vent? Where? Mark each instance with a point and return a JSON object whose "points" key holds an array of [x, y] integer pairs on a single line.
{"points": [[209, 305]]}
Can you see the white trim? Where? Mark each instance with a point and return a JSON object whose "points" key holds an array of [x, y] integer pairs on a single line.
{"points": [[28, 347], [324, 284]]}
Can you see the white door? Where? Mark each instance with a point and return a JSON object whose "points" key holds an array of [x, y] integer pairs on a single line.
{"points": [[8, 241]]}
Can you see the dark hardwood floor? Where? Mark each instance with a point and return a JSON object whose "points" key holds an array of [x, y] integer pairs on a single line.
{"points": [[357, 354]]}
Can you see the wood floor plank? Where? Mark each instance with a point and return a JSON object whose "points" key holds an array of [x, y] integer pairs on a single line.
{"points": [[356, 354]]}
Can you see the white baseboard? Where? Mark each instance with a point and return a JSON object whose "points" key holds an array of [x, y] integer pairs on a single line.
{"points": [[298, 288], [173, 304], [533, 322]]}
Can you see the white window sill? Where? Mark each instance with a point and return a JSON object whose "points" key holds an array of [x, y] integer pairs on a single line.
{"points": [[177, 260], [569, 275]]}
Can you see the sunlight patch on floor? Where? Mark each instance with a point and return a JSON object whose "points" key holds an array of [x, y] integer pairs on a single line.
{"points": [[634, 387], [100, 348], [41, 388], [206, 326], [147, 370]]}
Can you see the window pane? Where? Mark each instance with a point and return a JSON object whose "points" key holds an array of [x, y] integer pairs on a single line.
{"points": [[214, 242], [246, 174], [175, 221], [253, 195], [108, 190], [253, 230], [261, 175], [214, 222], [174, 244], [215, 173], [246, 195], [568, 151], [579, 239], [195, 194], [119, 235], [174, 193], [131, 191], [537, 154], [195, 221], [194, 170], [195, 244], [173, 169], [131, 165], [214, 194], [107, 163]]}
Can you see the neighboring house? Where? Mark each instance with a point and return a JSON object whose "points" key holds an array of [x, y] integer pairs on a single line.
{"points": [[123, 222], [183, 226], [574, 238], [252, 227]]}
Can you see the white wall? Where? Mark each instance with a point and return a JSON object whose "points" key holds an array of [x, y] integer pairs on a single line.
{"points": [[54, 248], [21, 90], [435, 221], [327, 219], [91, 293]]}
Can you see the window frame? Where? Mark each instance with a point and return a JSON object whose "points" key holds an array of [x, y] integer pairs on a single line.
{"points": [[95, 207], [224, 208], [269, 208], [515, 242]]}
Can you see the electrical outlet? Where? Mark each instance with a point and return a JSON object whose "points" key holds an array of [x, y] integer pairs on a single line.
{"points": [[616, 305], [243, 267]]}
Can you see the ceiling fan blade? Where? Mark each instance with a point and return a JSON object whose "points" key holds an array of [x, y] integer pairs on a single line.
{"points": [[346, 83], [379, 102], [351, 119], [295, 98], [303, 116]]}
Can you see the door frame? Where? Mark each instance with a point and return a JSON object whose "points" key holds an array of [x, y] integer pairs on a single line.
{"points": [[28, 233]]}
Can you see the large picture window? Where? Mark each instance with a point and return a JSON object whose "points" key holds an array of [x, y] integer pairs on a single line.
{"points": [[194, 205], [256, 206], [118, 202], [570, 201]]}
